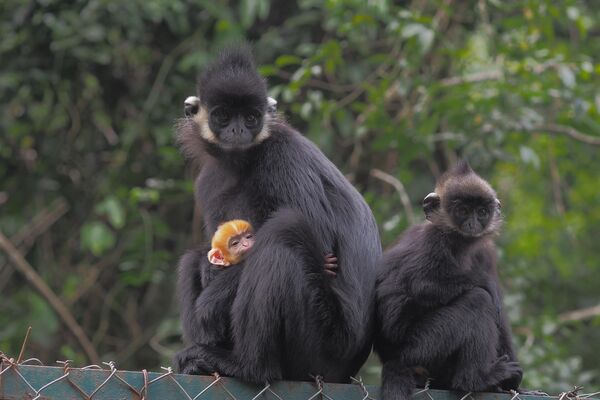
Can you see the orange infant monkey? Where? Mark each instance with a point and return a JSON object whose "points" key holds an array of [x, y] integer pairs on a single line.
{"points": [[234, 238], [231, 242]]}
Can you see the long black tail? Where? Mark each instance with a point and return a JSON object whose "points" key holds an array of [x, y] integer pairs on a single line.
{"points": [[398, 381]]}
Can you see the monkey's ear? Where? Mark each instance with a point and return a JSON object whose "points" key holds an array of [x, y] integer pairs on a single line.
{"points": [[215, 256], [431, 202], [191, 105], [498, 204], [271, 105]]}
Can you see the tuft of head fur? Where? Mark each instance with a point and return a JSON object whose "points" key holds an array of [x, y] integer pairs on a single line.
{"points": [[461, 179], [226, 231], [233, 79]]}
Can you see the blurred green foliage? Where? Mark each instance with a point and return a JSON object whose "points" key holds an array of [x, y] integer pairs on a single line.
{"points": [[89, 91]]}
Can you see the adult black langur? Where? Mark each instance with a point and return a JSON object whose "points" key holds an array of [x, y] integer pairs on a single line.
{"points": [[439, 303], [289, 318]]}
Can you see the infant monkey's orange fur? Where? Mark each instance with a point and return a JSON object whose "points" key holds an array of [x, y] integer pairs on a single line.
{"points": [[231, 242]]}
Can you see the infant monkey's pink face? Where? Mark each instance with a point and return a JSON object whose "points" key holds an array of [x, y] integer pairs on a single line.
{"points": [[240, 244]]}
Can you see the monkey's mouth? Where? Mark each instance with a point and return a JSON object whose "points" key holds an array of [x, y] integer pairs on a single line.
{"points": [[235, 145], [472, 231]]}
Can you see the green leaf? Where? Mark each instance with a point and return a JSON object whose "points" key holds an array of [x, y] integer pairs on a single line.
{"points": [[287, 59], [97, 238], [113, 209], [423, 34]]}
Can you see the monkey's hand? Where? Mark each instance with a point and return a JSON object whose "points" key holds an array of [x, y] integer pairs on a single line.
{"points": [[507, 373], [190, 361], [331, 266]]}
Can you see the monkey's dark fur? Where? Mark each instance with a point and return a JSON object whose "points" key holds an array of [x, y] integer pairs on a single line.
{"points": [[277, 315], [439, 304]]}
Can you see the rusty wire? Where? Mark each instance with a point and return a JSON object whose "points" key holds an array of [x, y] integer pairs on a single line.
{"points": [[10, 364]]}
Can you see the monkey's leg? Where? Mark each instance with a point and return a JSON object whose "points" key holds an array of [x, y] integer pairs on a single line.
{"points": [[442, 332], [205, 301], [189, 287], [398, 381], [285, 306], [478, 367]]}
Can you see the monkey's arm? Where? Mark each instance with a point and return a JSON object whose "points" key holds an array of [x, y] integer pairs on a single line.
{"points": [[506, 347], [190, 284], [441, 332], [393, 314], [204, 297], [401, 305]]}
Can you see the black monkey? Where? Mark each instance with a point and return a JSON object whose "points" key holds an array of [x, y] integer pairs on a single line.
{"points": [[288, 318], [439, 303]]}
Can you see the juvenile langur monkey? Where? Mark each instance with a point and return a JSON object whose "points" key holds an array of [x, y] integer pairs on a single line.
{"points": [[231, 242], [439, 303]]}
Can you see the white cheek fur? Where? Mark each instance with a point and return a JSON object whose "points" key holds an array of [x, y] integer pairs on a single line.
{"points": [[201, 118]]}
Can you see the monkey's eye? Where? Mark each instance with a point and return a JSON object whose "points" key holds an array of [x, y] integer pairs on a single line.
{"points": [[234, 243], [249, 236], [251, 119], [221, 116], [482, 212], [461, 211]]}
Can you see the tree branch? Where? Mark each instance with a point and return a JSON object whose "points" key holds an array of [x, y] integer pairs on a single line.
{"points": [[40, 223], [26, 236], [555, 129], [55, 302], [395, 182], [581, 314], [493, 75]]}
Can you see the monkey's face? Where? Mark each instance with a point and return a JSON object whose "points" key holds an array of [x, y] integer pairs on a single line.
{"points": [[239, 245], [235, 127], [472, 216], [464, 203]]}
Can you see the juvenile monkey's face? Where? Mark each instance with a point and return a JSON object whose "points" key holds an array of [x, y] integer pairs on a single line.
{"points": [[239, 245], [473, 217], [464, 203]]}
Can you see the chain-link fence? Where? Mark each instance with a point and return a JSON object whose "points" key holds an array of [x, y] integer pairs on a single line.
{"points": [[31, 380]]}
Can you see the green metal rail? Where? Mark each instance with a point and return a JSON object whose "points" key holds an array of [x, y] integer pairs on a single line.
{"points": [[23, 381]]}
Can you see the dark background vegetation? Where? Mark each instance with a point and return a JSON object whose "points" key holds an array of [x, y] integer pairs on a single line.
{"points": [[97, 199]]}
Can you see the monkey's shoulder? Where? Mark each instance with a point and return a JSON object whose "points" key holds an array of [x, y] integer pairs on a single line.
{"points": [[417, 246], [422, 265], [286, 146]]}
